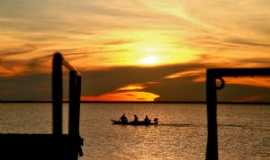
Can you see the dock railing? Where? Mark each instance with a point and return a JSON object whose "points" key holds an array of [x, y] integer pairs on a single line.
{"points": [[211, 91], [57, 146]]}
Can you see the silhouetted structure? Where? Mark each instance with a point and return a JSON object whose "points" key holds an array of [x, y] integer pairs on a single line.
{"points": [[57, 146], [212, 76]]}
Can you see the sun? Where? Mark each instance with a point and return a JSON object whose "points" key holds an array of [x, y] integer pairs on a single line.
{"points": [[149, 60], [151, 56]]}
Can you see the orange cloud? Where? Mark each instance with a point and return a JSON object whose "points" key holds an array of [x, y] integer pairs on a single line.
{"points": [[185, 74], [249, 81], [122, 96], [5, 72], [137, 86], [131, 87], [11, 71]]}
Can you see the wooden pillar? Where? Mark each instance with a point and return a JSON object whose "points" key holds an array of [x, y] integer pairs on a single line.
{"points": [[212, 139], [74, 109], [57, 93], [74, 106]]}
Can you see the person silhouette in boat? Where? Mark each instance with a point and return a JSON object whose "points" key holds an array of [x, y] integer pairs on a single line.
{"points": [[124, 119], [136, 119], [156, 121], [147, 120]]}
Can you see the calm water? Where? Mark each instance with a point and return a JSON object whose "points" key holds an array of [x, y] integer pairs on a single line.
{"points": [[244, 131]]}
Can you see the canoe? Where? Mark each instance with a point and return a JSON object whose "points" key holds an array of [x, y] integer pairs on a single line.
{"points": [[139, 123]]}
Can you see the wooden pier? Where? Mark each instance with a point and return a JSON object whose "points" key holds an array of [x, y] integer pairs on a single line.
{"points": [[55, 146]]}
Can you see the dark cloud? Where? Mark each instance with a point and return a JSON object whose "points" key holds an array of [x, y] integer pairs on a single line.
{"points": [[37, 86], [186, 89], [179, 89], [27, 87], [97, 82], [101, 81], [243, 92]]}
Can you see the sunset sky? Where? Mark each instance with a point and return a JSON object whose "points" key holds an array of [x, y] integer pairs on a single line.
{"points": [[136, 49]]}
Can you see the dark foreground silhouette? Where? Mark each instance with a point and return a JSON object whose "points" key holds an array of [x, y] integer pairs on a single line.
{"points": [[39, 146], [138, 123], [55, 146], [123, 120], [213, 76]]}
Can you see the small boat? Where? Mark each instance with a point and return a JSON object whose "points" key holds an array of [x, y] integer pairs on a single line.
{"points": [[132, 123]]}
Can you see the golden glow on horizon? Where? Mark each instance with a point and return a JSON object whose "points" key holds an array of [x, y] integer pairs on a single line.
{"points": [[131, 87], [123, 96], [151, 58], [142, 47]]}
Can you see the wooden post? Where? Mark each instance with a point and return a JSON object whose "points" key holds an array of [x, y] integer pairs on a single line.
{"points": [[74, 106], [212, 139], [74, 109], [77, 109], [57, 94]]}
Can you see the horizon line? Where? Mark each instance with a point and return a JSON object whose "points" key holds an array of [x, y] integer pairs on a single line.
{"points": [[150, 102]]}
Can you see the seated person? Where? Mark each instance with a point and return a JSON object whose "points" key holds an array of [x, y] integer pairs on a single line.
{"points": [[136, 119], [124, 119], [147, 120]]}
